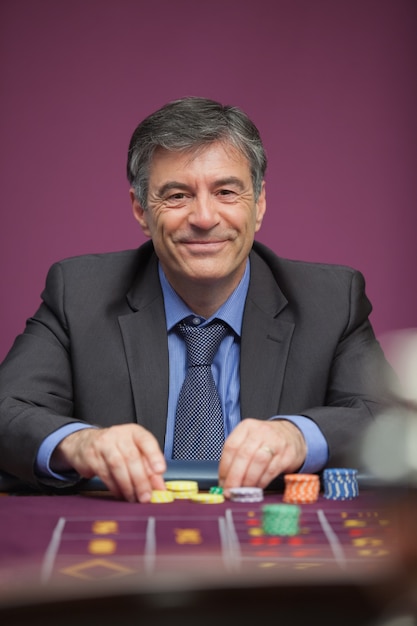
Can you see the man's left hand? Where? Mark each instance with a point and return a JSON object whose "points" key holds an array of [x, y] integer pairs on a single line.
{"points": [[257, 451]]}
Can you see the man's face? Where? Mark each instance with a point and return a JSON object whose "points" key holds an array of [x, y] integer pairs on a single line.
{"points": [[201, 215]]}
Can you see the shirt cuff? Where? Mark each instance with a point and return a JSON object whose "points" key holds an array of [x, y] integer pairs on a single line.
{"points": [[317, 448], [47, 447]]}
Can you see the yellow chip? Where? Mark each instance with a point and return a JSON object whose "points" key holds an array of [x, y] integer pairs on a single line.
{"points": [[159, 496], [208, 498], [183, 495], [182, 485]]}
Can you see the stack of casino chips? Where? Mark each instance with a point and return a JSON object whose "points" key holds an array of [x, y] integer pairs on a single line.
{"points": [[160, 496], [207, 498], [281, 519], [175, 490], [182, 489], [186, 490], [340, 483], [246, 494], [301, 488]]}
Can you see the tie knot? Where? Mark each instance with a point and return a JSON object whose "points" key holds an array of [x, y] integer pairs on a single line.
{"points": [[202, 343]]}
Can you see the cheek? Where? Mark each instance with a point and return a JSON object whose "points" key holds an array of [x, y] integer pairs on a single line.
{"points": [[250, 223], [169, 223], [160, 230]]}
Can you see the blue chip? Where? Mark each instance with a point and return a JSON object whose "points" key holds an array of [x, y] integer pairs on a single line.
{"points": [[340, 484], [340, 471]]}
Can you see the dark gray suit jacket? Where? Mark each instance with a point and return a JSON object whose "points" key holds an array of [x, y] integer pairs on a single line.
{"points": [[96, 350]]}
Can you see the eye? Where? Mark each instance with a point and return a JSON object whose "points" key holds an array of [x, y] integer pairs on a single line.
{"points": [[226, 195], [175, 199]]}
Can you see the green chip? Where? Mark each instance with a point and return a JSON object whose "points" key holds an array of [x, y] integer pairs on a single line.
{"points": [[281, 519], [217, 490]]}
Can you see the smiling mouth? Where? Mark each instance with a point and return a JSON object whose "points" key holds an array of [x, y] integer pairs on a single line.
{"points": [[204, 241], [204, 245]]}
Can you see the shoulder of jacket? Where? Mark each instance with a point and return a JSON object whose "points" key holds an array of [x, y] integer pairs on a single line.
{"points": [[296, 266]]}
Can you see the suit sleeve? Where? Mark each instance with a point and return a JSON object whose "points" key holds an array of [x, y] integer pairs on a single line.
{"points": [[358, 383], [36, 396]]}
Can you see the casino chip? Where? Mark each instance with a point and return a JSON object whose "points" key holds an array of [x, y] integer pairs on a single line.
{"points": [[182, 485], [340, 483], [216, 489], [158, 496], [182, 489], [207, 498], [301, 488], [246, 494], [281, 519]]}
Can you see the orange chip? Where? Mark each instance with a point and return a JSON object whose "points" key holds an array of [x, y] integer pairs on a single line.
{"points": [[305, 478], [301, 488]]}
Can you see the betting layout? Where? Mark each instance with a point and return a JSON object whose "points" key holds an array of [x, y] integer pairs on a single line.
{"points": [[87, 538], [337, 536]]}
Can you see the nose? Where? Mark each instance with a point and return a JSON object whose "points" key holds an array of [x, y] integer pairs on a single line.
{"points": [[203, 212]]}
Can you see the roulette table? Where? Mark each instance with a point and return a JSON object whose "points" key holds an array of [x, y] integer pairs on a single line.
{"points": [[84, 557]]}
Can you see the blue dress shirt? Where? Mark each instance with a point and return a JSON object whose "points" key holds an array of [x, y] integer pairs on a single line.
{"points": [[225, 372]]}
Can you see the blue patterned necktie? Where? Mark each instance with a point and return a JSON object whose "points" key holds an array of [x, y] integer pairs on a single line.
{"points": [[199, 430]]}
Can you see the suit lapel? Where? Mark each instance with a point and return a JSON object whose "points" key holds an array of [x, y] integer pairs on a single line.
{"points": [[146, 347], [265, 344]]}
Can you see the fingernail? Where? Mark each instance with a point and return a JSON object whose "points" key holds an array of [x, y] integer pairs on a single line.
{"points": [[145, 497]]}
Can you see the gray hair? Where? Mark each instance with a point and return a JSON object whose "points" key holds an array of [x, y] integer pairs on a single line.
{"points": [[191, 124]]}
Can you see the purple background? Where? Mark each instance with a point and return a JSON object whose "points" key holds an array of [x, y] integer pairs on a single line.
{"points": [[331, 84]]}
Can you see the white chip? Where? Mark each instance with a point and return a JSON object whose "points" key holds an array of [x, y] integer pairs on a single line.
{"points": [[246, 494]]}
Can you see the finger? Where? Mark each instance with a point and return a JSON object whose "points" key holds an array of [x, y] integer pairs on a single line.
{"points": [[130, 454], [119, 464], [113, 456], [120, 470], [238, 473], [135, 474], [153, 462], [269, 461], [111, 485], [148, 445], [248, 460], [157, 482], [263, 464], [230, 449], [99, 468]]}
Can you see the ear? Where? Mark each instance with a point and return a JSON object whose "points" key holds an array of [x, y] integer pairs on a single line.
{"points": [[139, 213], [260, 208]]}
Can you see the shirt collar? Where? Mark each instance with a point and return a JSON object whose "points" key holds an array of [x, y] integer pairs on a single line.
{"points": [[230, 312]]}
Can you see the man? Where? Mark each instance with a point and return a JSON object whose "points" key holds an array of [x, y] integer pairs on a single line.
{"points": [[91, 387]]}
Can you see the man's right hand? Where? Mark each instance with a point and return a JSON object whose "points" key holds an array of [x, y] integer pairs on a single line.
{"points": [[127, 458]]}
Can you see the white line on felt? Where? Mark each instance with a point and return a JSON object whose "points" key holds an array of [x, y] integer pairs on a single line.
{"points": [[51, 551], [150, 545], [230, 541], [333, 539]]}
